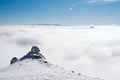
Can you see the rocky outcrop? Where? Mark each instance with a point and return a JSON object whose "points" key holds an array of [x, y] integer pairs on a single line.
{"points": [[33, 54]]}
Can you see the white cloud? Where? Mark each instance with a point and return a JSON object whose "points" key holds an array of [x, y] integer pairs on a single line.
{"points": [[73, 6], [70, 9], [102, 1], [92, 51]]}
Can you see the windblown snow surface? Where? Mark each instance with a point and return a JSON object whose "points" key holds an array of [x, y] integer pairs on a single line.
{"points": [[37, 70], [93, 51]]}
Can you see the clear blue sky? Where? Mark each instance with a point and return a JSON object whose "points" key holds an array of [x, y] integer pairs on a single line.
{"points": [[68, 12]]}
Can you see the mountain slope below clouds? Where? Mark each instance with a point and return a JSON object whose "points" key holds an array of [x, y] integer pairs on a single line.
{"points": [[30, 69]]}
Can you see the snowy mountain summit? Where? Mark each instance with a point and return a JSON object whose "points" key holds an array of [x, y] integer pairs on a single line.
{"points": [[34, 66]]}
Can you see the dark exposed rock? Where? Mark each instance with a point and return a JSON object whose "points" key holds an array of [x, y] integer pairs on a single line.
{"points": [[13, 60], [33, 54], [35, 50]]}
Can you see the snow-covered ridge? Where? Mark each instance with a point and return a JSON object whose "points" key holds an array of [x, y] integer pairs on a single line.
{"points": [[37, 69]]}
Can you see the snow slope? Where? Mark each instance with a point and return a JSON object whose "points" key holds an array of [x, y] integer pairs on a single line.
{"points": [[30, 69]]}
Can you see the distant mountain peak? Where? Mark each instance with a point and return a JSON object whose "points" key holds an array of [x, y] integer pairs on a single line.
{"points": [[49, 24]]}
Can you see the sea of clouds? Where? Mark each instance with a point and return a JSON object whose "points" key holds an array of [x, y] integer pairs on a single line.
{"points": [[91, 50]]}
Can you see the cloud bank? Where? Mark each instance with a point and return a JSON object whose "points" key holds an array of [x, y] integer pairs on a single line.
{"points": [[85, 49]]}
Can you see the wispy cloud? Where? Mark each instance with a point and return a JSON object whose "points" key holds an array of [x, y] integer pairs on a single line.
{"points": [[102, 1], [73, 6], [92, 1]]}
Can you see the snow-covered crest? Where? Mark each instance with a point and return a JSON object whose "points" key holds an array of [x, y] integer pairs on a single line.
{"points": [[38, 69]]}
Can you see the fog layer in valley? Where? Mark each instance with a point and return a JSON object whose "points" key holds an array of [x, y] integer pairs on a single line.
{"points": [[88, 50]]}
